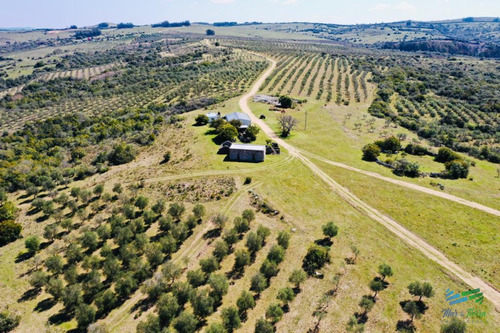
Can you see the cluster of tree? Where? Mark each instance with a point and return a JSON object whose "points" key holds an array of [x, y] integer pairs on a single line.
{"points": [[447, 46], [210, 32], [455, 166], [318, 254], [225, 24], [356, 323], [87, 33], [229, 131], [166, 24], [116, 256], [9, 230], [55, 147], [465, 103], [125, 25], [415, 309], [390, 145]]}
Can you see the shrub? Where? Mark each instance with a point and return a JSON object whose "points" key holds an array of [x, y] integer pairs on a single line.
{"points": [[392, 144], [227, 132], [371, 152], [457, 169], [201, 120], [8, 321], [406, 168], [230, 319], [32, 244], [274, 313], [121, 154], [285, 102], [446, 155], [9, 232], [316, 257]]}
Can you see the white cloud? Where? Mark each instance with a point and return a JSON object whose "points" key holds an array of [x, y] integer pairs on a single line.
{"points": [[222, 1]]}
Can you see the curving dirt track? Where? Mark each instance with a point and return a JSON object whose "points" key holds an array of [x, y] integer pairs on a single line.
{"points": [[410, 238]]}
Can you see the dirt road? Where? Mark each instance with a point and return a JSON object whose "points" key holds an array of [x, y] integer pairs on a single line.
{"points": [[410, 238]]}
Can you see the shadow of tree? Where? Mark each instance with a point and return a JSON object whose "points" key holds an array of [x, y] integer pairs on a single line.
{"points": [[405, 326], [326, 242], [45, 304], [29, 294]]}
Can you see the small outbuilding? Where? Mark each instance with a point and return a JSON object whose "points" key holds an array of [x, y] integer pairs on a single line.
{"points": [[243, 118], [212, 116], [247, 153]]}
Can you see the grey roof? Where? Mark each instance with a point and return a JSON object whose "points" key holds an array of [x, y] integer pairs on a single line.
{"points": [[237, 116], [239, 146]]}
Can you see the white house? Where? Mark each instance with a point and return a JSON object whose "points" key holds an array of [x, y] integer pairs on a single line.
{"points": [[213, 116], [242, 117]]}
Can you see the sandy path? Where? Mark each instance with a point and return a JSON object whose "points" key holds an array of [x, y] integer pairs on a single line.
{"points": [[412, 239]]}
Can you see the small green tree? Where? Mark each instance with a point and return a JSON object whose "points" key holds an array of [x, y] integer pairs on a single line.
{"points": [[227, 132], [199, 211], [185, 323], [216, 328], [330, 230], [245, 302], [297, 277], [263, 326], [274, 313], [455, 325], [385, 270], [141, 202], [371, 152], [366, 304], [258, 283], [283, 239], [32, 244], [230, 319], [159, 206], [286, 295], [176, 210], [376, 286], [167, 309], [412, 310], [85, 315]]}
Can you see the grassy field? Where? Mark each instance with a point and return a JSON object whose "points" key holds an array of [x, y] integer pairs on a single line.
{"points": [[334, 128]]}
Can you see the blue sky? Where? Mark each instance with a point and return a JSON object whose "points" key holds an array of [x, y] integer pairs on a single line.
{"points": [[62, 13]]}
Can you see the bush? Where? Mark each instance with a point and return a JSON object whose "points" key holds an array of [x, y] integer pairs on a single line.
{"points": [[201, 120], [227, 132], [7, 211], [274, 313], [8, 321], [371, 152], [446, 155], [210, 32], [392, 144], [121, 154], [457, 169], [230, 319], [316, 257], [9, 232], [408, 169], [455, 325], [263, 326], [285, 102], [32, 244]]}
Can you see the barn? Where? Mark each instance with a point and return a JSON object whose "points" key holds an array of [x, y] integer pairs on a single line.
{"points": [[247, 153], [241, 117]]}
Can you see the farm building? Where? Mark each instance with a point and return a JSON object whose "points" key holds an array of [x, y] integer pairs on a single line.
{"points": [[246, 153], [213, 116], [242, 117]]}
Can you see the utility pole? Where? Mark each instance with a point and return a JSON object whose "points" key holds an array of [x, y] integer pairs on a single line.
{"points": [[305, 121]]}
